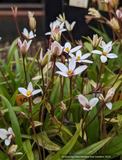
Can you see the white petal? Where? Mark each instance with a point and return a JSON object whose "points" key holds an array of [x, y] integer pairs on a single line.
{"points": [[19, 43], [28, 44], [3, 133], [30, 87], [10, 131], [61, 73], [72, 64], [75, 49], [67, 25], [72, 25], [96, 52], [103, 59], [67, 44], [111, 55], [48, 33], [22, 91], [80, 69], [86, 109], [71, 55], [78, 53], [93, 102], [109, 105], [101, 97], [62, 30], [85, 56], [83, 100], [62, 67], [85, 61], [7, 142], [25, 31], [36, 91], [108, 47]]}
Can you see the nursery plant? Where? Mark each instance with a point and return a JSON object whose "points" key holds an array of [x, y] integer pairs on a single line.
{"points": [[65, 103]]}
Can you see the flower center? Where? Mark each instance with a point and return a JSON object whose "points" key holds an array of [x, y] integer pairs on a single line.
{"points": [[27, 36], [87, 106], [29, 92], [78, 58], [104, 53], [106, 1], [69, 72], [67, 49]]}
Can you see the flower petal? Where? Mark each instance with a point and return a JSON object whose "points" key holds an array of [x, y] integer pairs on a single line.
{"points": [[86, 109], [83, 100], [25, 31], [112, 55], [36, 91], [28, 45], [30, 87], [3, 133], [103, 59], [71, 55], [62, 67], [19, 43], [72, 25], [80, 69], [85, 61], [109, 105], [96, 52], [48, 33], [7, 142], [72, 64], [67, 44], [93, 102], [61, 73], [85, 56], [78, 53], [22, 91], [75, 49]]}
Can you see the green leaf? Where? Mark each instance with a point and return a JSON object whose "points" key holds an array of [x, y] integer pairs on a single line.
{"points": [[66, 149], [3, 156], [28, 149], [90, 150], [54, 98], [13, 99], [88, 46], [14, 122], [48, 144]]}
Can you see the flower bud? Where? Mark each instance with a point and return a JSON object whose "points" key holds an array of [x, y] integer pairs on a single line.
{"points": [[12, 149], [56, 36], [30, 14], [110, 95], [32, 23], [63, 107]]}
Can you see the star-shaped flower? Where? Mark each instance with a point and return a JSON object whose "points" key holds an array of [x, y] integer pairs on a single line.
{"points": [[28, 35], [7, 135], [87, 105], [29, 91], [79, 58], [70, 71], [105, 54], [67, 48]]}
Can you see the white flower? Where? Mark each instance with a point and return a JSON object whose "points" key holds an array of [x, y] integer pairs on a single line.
{"points": [[67, 48], [87, 105], [29, 91], [94, 12], [105, 54], [56, 26], [119, 14], [28, 35], [0, 38], [103, 44], [70, 26], [70, 71], [7, 135], [79, 58], [108, 98]]}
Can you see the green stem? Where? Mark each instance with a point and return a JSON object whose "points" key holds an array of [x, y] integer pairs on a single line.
{"points": [[25, 70], [70, 95]]}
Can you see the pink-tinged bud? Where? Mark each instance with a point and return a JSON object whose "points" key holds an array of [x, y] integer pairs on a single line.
{"points": [[56, 48], [32, 23], [14, 10], [24, 46]]}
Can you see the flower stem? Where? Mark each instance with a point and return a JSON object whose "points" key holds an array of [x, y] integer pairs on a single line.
{"points": [[5, 152], [25, 70], [3, 119], [70, 95], [101, 70], [34, 129], [102, 105]]}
